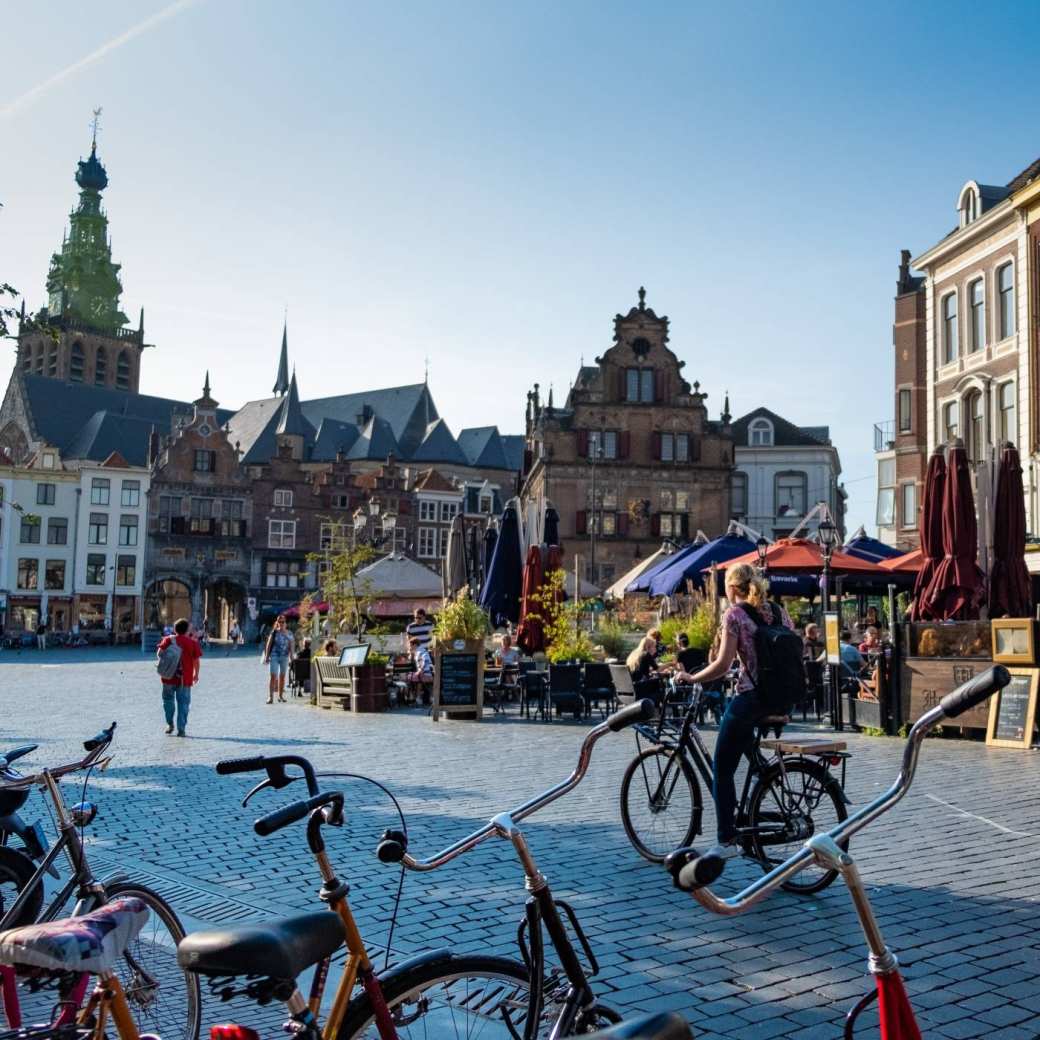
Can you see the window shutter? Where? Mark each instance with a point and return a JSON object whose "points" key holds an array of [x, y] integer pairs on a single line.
{"points": [[583, 444], [622, 524], [580, 522], [624, 439], [655, 524], [658, 385], [655, 446], [695, 448]]}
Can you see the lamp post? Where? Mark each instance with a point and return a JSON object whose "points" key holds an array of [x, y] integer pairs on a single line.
{"points": [[595, 453], [763, 547], [828, 541]]}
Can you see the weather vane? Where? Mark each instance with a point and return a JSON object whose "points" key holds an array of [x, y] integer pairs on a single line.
{"points": [[95, 125]]}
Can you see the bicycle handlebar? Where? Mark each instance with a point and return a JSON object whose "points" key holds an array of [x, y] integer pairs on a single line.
{"points": [[274, 766], [275, 821], [693, 872], [95, 748], [393, 847]]}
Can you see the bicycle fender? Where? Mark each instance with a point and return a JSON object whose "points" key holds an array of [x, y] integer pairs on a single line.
{"points": [[111, 879], [430, 957]]}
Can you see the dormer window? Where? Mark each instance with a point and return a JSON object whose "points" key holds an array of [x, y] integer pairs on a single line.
{"points": [[760, 434], [969, 204]]}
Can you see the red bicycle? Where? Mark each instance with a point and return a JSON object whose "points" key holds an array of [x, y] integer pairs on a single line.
{"points": [[693, 872]]}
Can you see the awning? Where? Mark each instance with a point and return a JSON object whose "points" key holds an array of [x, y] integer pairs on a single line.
{"points": [[392, 607]]}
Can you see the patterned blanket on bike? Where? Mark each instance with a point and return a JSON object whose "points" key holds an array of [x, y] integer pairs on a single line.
{"points": [[92, 943]]}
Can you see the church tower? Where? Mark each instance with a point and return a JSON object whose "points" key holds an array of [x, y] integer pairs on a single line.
{"points": [[81, 336]]}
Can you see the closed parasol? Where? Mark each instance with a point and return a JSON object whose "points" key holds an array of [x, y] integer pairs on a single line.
{"points": [[531, 636], [454, 575], [1009, 591], [500, 596], [956, 589], [931, 535]]}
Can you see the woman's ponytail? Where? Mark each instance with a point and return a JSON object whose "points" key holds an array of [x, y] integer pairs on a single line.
{"points": [[751, 583]]}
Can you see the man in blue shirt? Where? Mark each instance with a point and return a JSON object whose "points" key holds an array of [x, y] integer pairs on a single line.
{"points": [[851, 658]]}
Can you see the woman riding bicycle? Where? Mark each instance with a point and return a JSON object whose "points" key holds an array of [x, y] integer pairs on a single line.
{"points": [[744, 585]]}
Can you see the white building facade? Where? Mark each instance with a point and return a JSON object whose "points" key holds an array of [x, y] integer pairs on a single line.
{"points": [[781, 472]]}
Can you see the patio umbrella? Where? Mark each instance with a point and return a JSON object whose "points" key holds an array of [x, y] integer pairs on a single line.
{"points": [[487, 551], [1009, 592], [673, 576], [956, 588], [453, 576], [642, 583], [867, 548], [931, 535], [530, 635], [500, 596], [802, 556], [617, 590], [551, 534], [909, 563]]}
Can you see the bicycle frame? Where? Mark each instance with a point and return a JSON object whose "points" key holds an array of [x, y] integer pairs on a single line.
{"points": [[109, 1001]]}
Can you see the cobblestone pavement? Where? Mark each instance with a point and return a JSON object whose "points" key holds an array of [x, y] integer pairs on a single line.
{"points": [[953, 870]]}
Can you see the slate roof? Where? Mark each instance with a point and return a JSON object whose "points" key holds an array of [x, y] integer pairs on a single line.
{"points": [[785, 434], [375, 441], [439, 446], [1022, 179], [252, 428], [333, 437], [90, 422], [482, 446], [290, 416], [513, 449], [408, 409]]}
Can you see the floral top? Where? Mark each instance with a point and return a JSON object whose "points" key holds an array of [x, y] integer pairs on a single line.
{"points": [[281, 644], [737, 622]]}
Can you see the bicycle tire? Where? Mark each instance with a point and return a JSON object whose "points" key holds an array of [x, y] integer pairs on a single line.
{"points": [[816, 783], [485, 979], [155, 950], [651, 767], [16, 871]]}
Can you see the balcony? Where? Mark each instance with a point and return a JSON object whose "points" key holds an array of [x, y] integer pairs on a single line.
{"points": [[885, 435]]}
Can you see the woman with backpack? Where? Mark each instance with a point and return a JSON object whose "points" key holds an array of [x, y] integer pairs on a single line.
{"points": [[749, 618]]}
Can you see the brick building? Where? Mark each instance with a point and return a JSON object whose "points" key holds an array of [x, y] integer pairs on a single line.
{"points": [[966, 349], [632, 457], [200, 511]]}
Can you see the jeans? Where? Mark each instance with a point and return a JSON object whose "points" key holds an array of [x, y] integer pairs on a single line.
{"points": [[736, 735], [181, 695]]}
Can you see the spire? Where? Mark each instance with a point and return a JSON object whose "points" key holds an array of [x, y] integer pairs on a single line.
{"points": [[205, 386], [725, 409], [281, 384], [140, 326], [291, 420], [642, 298], [549, 403]]}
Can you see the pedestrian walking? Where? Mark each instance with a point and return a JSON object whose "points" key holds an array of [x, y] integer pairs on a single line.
{"points": [[178, 659], [41, 635], [278, 653], [234, 637]]}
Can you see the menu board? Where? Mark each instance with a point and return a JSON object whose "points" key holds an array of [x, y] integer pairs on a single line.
{"points": [[1012, 710], [459, 683], [832, 634]]}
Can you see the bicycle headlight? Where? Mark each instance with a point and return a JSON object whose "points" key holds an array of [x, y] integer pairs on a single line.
{"points": [[83, 813]]}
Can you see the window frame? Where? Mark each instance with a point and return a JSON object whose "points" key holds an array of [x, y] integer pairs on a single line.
{"points": [[286, 534], [907, 486], [282, 498], [126, 567], [904, 393], [96, 568], [739, 479], [29, 566], [977, 314], [287, 574], [46, 494], [56, 524], [426, 543], [130, 494], [976, 426], [48, 566], [761, 425], [427, 510], [1006, 301], [29, 526], [208, 456], [100, 491], [1008, 429], [129, 525], [803, 482], [97, 529], [948, 322]]}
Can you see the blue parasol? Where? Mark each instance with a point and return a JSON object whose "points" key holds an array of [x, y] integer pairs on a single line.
{"points": [[672, 576], [500, 596], [870, 549]]}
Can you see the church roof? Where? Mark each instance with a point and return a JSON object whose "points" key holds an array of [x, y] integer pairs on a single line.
{"points": [[482, 446], [333, 437], [281, 383], [513, 449], [290, 416], [375, 441], [439, 446], [252, 428], [90, 422]]}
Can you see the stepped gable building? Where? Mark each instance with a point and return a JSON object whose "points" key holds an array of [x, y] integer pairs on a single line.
{"points": [[967, 342], [200, 509], [632, 457], [782, 472]]}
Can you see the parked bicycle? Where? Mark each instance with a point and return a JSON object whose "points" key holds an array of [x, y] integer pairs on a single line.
{"points": [[439, 993], [828, 850], [162, 995], [788, 795]]}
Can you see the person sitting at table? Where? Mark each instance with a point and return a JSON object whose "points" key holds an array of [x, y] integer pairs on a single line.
{"points": [[871, 641], [423, 674], [851, 658], [330, 648], [642, 664], [507, 655]]}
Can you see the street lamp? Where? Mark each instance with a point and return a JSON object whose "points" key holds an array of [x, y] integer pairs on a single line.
{"points": [[828, 542], [763, 547], [595, 453]]}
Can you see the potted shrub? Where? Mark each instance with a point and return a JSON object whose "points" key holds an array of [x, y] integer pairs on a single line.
{"points": [[458, 631]]}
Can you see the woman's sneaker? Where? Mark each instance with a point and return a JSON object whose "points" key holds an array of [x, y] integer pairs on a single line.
{"points": [[726, 850]]}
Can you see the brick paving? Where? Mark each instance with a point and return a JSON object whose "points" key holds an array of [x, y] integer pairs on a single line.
{"points": [[952, 870]]}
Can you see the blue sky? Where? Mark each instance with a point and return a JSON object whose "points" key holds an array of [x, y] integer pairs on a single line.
{"points": [[487, 184]]}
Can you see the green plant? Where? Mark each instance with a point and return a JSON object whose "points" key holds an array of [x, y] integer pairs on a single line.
{"points": [[377, 659], [347, 595], [565, 639], [700, 627], [460, 618], [611, 635], [872, 731]]}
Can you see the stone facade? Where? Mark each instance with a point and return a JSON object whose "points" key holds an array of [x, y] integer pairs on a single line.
{"points": [[632, 457]]}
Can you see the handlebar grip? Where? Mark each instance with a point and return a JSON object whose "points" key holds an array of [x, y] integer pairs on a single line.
{"points": [[240, 765], [275, 821], [104, 737], [691, 870], [975, 691], [641, 711]]}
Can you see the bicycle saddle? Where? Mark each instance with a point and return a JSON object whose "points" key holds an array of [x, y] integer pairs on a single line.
{"points": [[278, 949], [91, 944]]}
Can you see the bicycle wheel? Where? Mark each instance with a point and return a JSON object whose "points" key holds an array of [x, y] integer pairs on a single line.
{"points": [[785, 810], [16, 871], [451, 996], [660, 802], [164, 998]]}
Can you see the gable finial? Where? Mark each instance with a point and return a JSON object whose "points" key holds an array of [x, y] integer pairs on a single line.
{"points": [[95, 125], [426, 370], [205, 386], [281, 383], [642, 298]]}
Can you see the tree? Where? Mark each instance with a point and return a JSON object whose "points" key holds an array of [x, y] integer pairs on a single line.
{"points": [[348, 596], [8, 314]]}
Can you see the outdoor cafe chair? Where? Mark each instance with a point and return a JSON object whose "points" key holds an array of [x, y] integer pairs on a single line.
{"points": [[598, 688], [565, 689], [532, 691]]}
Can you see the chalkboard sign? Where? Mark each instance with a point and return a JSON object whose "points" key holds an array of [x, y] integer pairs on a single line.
{"points": [[459, 679], [1012, 710]]}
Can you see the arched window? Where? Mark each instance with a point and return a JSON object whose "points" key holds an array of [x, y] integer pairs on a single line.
{"points": [[760, 434], [38, 359], [975, 413], [951, 422], [101, 367], [52, 360], [969, 205], [123, 371], [977, 302], [76, 359]]}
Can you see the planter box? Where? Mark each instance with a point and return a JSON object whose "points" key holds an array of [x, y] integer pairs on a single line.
{"points": [[369, 692], [866, 713], [458, 678]]}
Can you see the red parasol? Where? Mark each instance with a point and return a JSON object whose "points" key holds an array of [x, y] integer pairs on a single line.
{"points": [[909, 563], [894, 1010], [956, 588], [931, 534], [799, 555], [530, 635], [1009, 592]]}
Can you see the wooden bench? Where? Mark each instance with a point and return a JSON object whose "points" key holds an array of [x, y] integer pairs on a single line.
{"points": [[332, 684]]}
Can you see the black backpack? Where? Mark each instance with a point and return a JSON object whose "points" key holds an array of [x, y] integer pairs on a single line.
{"points": [[780, 682]]}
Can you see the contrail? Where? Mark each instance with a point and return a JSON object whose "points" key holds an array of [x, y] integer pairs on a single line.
{"points": [[134, 31]]}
